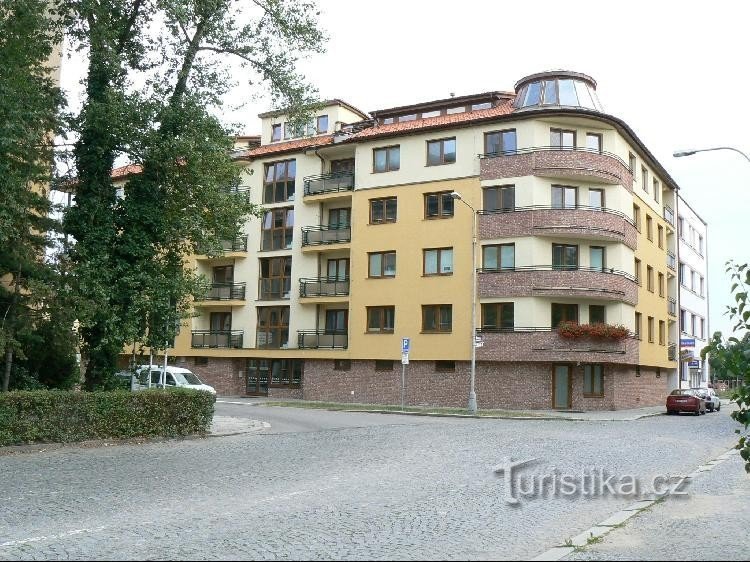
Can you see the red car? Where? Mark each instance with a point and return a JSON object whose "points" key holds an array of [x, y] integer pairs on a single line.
{"points": [[685, 400]]}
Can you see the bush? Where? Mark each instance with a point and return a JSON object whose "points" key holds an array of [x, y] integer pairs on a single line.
{"points": [[63, 417]]}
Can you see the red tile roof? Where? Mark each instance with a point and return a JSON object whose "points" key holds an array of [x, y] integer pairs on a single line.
{"points": [[289, 146], [125, 171]]}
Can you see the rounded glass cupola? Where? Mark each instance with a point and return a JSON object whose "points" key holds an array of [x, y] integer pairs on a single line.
{"points": [[557, 88]]}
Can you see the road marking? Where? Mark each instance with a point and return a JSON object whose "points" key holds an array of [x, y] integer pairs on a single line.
{"points": [[52, 537]]}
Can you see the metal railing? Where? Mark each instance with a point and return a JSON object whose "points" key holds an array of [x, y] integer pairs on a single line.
{"points": [[607, 270], [217, 338], [225, 292], [671, 261], [276, 288], [672, 306], [329, 183], [327, 339], [324, 287], [615, 212], [527, 329], [318, 235], [532, 149], [239, 244], [672, 351], [669, 214]]}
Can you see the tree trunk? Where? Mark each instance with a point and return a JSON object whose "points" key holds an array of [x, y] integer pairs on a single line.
{"points": [[8, 366]]}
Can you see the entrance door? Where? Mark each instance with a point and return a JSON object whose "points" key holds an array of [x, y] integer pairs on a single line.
{"points": [[338, 269], [561, 387], [258, 372]]}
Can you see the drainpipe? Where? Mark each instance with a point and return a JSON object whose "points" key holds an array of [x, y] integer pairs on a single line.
{"points": [[679, 286]]}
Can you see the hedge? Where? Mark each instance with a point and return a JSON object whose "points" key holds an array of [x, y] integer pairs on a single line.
{"points": [[51, 416]]}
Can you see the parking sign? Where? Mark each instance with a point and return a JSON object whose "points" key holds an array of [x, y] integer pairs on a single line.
{"points": [[405, 345]]}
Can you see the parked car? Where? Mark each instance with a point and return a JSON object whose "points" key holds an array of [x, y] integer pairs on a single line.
{"points": [[176, 377], [685, 400], [713, 403]]}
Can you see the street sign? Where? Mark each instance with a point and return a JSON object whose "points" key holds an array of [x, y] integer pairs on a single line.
{"points": [[687, 342], [405, 344], [404, 358], [478, 341], [695, 363]]}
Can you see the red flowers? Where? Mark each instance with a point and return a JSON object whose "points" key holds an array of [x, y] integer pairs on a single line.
{"points": [[573, 331]]}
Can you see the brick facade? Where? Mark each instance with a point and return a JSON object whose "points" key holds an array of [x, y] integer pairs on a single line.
{"points": [[227, 375], [498, 385], [558, 163], [572, 223], [549, 283]]}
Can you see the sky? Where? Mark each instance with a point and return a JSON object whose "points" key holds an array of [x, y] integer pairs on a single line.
{"points": [[676, 72]]}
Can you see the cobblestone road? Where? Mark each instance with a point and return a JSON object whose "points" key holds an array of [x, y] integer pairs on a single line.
{"points": [[332, 485]]}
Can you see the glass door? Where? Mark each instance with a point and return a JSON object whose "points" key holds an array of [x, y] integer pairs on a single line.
{"points": [[561, 387]]}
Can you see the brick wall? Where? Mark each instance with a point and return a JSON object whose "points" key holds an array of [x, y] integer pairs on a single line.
{"points": [[221, 373], [640, 391]]}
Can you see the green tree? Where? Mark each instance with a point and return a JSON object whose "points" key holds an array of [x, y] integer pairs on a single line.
{"points": [[128, 256], [731, 359]]}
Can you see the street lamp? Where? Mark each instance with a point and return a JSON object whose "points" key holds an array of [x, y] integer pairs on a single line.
{"points": [[690, 152], [472, 394]]}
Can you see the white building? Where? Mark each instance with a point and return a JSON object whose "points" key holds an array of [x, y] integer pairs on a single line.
{"points": [[693, 298]]}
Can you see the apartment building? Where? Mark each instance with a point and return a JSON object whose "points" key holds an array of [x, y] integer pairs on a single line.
{"points": [[364, 242], [693, 281]]}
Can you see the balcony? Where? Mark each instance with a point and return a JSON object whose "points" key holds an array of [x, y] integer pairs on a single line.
{"points": [[581, 221], [324, 287], [672, 351], [325, 235], [238, 247], [672, 306], [329, 183], [217, 338], [558, 281], [544, 344], [671, 260], [568, 163], [274, 289], [322, 339], [669, 214], [225, 292]]}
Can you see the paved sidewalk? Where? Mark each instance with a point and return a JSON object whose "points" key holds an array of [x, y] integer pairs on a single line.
{"points": [[226, 425]]}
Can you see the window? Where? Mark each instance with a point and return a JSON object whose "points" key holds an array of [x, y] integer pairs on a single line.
{"points": [[693, 323], [278, 184], [388, 121], [693, 281], [651, 329], [498, 316], [638, 325], [681, 227], [293, 131], [429, 114], [637, 271], [438, 261], [564, 313], [383, 364], [221, 321], [660, 236], [650, 278], [649, 227], [499, 256], [445, 366], [478, 106], [596, 198], [657, 190], [631, 164], [441, 151], [342, 364], [682, 274], [597, 258], [277, 229], [387, 159], [340, 218], [322, 124], [380, 319], [593, 380], [276, 132], [501, 198], [701, 334], [437, 318], [382, 264], [273, 327], [338, 269], [438, 205], [597, 314], [454, 110], [594, 142], [275, 278], [382, 210], [263, 373], [644, 178], [700, 244], [564, 256], [662, 332], [683, 320], [661, 284], [561, 138], [701, 285], [500, 142], [564, 197], [337, 321], [410, 117], [223, 274], [637, 217]]}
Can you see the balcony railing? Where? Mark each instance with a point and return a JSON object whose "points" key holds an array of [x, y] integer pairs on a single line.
{"points": [[277, 288], [239, 244], [669, 214], [607, 270], [324, 287], [533, 149], [225, 292], [320, 235], [672, 306], [322, 339], [217, 338], [615, 212], [672, 351], [329, 183], [671, 261]]}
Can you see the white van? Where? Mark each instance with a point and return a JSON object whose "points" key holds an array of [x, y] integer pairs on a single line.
{"points": [[177, 377]]}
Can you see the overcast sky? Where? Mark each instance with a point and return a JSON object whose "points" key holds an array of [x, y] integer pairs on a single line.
{"points": [[676, 72]]}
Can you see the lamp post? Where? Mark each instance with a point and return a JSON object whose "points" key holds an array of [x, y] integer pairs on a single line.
{"points": [[472, 407], [690, 152]]}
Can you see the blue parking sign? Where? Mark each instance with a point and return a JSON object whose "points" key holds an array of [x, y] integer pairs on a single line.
{"points": [[405, 345]]}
